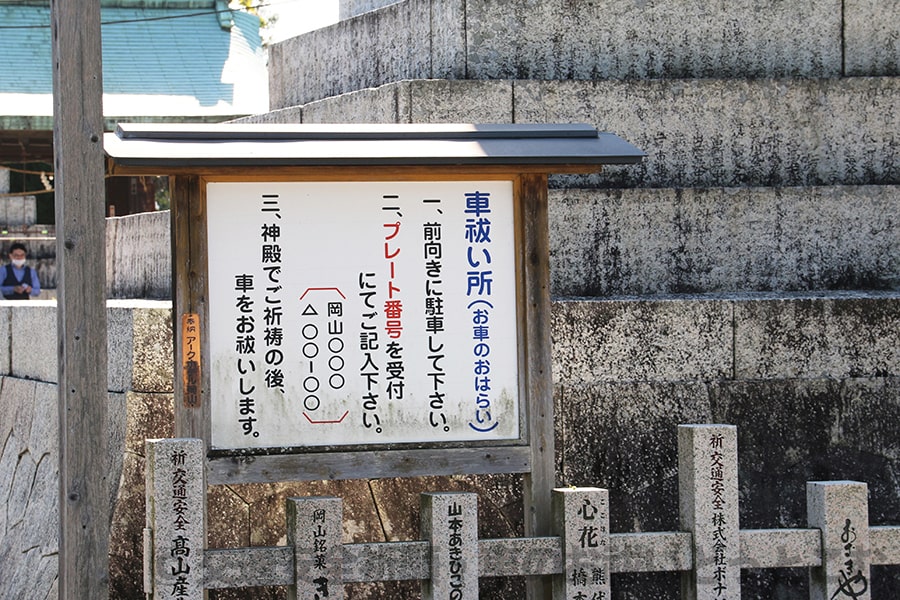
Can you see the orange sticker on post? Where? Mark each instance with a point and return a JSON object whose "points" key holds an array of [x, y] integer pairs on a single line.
{"points": [[190, 359]]}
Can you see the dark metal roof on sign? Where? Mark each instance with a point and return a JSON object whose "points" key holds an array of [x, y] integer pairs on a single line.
{"points": [[227, 145]]}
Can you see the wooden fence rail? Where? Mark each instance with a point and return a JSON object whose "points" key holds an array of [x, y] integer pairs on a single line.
{"points": [[838, 546]]}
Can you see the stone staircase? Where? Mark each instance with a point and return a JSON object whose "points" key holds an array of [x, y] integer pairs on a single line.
{"points": [[748, 272]]}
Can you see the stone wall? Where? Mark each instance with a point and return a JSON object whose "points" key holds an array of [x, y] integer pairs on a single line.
{"points": [[606, 39]]}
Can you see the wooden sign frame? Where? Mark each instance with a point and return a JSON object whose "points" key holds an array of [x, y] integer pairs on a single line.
{"points": [[195, 155], [191, 298]]}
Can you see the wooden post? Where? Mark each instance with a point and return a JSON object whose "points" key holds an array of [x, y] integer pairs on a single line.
{"points": [[189, 307], [84, 511], [533, 196]]}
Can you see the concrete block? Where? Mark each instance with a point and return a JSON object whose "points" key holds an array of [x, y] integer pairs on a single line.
{"points": [[622, 436], [557, 39], [840, 336], [132, 326], [450, 523], [839, 509], [641, 340], [581, 519], [20, 211], [871, 38], [658, 241], [732, 133], [4, 180], [152, 364]]}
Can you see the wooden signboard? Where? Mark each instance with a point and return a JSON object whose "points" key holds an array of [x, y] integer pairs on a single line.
{"points": [[368, 301]]}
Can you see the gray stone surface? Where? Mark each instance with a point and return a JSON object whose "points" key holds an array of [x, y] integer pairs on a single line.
{"points": [[395, 43], [420, 101], [613, 39], [851, 335], [139, 326], [734, 133], [29, 483], [17, 211], [839, 335], [641, 340], [314, 529], [352, 8], [871, 38], [661, 241], [697, 133], [139, 256]]}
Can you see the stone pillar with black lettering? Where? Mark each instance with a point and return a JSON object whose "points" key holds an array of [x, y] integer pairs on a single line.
{"points": [[315, 527], [840, 510], [176, 519], [450, 524], [708, 508], [581, 520]]}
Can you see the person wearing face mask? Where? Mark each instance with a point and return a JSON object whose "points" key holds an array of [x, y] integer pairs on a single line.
{"points": [[20, 281]]}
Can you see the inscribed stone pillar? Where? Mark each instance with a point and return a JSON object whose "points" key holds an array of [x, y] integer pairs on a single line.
{"points": [[450, 523], [176, 517], [314, 530], [581, 519], [708, 508], [840, 510]]}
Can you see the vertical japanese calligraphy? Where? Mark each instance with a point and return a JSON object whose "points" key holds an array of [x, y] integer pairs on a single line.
{"points": [[180, 546], [719, 518], [362, 313]]}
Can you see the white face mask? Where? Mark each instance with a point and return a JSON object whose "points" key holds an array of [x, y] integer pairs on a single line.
{"points": [[18, 262]]}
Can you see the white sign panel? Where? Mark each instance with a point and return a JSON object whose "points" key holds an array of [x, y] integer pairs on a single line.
{"points": [[345, 313]]}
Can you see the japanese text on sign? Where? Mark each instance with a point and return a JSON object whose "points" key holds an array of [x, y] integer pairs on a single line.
{"points": [[362, 313]]}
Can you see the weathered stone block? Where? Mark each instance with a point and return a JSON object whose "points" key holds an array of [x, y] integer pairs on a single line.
{"points": [[152, 363], [395, 43], [659, 241], [612, 39], [557, 39], [840, 336], [139, 256], [732, 133], [871, 37], [641, 340], [33, 346]]}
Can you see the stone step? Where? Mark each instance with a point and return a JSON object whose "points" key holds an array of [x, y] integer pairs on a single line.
{"points": [[604, 39], [742, 337], [723, 240], [697, 133]]}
